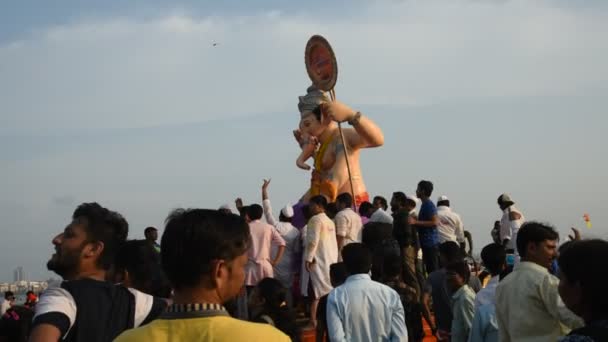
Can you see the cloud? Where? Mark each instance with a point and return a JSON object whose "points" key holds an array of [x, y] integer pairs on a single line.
{"points": [[127, 72]]}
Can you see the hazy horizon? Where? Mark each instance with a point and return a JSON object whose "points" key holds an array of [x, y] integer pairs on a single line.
{"points": [[132, 107]]}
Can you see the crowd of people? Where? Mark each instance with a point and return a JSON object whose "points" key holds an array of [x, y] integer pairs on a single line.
{"points": [[351, 274]]}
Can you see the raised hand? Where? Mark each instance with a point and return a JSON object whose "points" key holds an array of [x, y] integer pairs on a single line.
{"points": [[338, 111], [576, 236]]}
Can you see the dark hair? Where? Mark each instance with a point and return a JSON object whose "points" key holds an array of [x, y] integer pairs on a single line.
{"points": [[8, 295], [331, 209], [346, 199], [382, 201], [536, 233], [426, 187], [148, 230], [255, 212], [445, 203], [364, 209], [275, 306], [103, 225], [451, 251], [461, 268], [306, 212], [582, 263], [357, 258], [494, 257], [400, 197], [338, 273], [141, 260], [392, 266], [30, 293], [319, 200], [194, 238]]}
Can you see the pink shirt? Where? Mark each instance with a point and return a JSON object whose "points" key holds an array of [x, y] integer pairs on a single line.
{"points": [[259, 266]]}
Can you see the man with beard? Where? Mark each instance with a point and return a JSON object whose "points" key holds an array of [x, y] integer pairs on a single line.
{"points": [[86, 307]]}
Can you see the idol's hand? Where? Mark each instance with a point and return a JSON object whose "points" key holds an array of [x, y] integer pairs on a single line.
{"points": [[338, 111]]}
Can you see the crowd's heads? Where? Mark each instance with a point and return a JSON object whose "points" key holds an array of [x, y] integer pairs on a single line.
{"points": [[537, 242], [380, 202], [269, 293], [366, 209], [9, 296], [357, 258], [443, 201], [151, 234], [331, 209], [398, 201], [138, 266], [338, 274], [89, 242], [225, 208], [494, 258], [344, 200], [582, 286], [254, 212], [425, 189], [205, 249], [457, 275], [317, 204], [505, 201], [449, 252]]}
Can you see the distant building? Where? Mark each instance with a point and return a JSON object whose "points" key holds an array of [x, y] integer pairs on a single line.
{"points": [[18, 274]]}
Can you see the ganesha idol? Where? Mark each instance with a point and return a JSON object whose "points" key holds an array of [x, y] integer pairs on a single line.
{"points": [[319, 138]]}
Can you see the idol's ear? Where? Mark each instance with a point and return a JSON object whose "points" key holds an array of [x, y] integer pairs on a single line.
{"points": [[326, 117]]}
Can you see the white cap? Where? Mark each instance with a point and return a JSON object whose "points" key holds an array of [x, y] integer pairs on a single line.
{"points": [[225, 207], [504, 198], [413, 199], [287, 211], [443, 198]]}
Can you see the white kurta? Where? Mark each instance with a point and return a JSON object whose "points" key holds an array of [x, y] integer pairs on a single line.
{"points": [[284, 271], [321, 247]]}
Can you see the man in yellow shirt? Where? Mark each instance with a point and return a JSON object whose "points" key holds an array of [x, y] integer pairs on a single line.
{"points": [[204, 256]]}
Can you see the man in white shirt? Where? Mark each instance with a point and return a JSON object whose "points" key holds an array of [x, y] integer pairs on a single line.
{"points": [[320, 251], [348, 222], [283, 271], [510, 223], [9, 300], [450, 225], [528, 305]]}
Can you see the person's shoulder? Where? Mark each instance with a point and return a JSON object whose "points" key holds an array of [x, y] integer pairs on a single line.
{"points": [[247, 330], [149, 332]]}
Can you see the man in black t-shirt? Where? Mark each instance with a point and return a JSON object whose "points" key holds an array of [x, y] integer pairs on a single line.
{"points": [[86, 307]]}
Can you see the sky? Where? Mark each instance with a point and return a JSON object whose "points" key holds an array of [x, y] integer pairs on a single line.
{"points": [[129, 104]]}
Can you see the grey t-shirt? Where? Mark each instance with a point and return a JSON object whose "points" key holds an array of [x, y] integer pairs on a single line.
{"points": [[442, 299]]}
